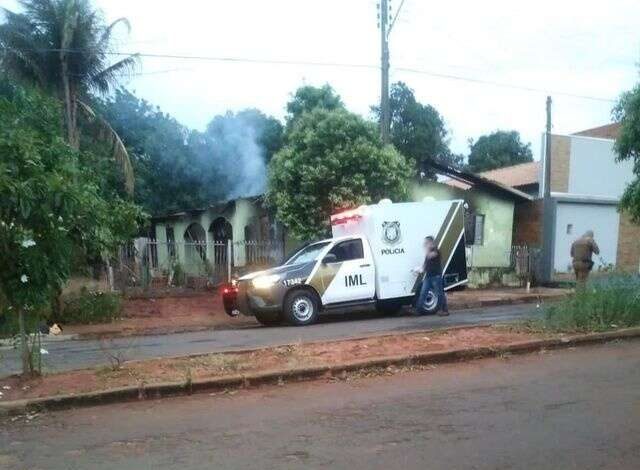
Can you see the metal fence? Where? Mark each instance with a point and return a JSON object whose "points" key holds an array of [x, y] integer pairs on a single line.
{"points": [[147, 262], [525, 261]]}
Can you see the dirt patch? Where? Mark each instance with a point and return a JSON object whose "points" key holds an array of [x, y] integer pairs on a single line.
{"points": [[284, 357], [166, 315]]}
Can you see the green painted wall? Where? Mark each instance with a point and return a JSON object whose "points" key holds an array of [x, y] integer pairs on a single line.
{"points": [[498, 212], [241, 214]]}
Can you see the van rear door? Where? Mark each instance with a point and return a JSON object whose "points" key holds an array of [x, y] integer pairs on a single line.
{"points": [[349, 274]]}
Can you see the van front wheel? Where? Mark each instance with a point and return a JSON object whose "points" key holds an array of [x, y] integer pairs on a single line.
{"points": [[301, 307]]}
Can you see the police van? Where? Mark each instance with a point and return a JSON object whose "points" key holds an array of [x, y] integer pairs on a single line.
{"points": [[369, 261]]}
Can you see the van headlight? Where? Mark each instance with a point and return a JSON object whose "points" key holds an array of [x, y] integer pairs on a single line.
{"points": [[264, 282]]}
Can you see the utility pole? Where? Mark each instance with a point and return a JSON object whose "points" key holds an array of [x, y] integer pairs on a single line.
{"points": [[548, 208], [385, 112], [547, 153]]}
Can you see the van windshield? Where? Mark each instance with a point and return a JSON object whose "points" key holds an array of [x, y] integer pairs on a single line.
{"points": [[307, 254]]}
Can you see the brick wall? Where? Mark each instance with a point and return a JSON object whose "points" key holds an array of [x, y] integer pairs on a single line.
{"points": [[628, 256], [560, 162], [527, 223]]}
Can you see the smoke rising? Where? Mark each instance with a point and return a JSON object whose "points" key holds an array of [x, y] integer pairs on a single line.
{"points": [[238, 148]]}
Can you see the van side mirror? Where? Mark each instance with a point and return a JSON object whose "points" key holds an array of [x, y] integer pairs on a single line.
{"points": [[329, 258]]}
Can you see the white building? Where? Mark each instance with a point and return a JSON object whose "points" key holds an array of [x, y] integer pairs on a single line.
{"points": [[586, 186]]}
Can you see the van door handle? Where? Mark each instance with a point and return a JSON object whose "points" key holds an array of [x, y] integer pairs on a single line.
{"points": [[365, 265]]}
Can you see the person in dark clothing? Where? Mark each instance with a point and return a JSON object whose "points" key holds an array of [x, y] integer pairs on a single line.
{"points": [[432, 280]]}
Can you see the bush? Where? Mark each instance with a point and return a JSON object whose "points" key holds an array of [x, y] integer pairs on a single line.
{"points": [[610, 303], [92, 307]]}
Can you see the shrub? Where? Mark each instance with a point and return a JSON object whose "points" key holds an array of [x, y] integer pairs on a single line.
{"points": [[92, 307], [610, 303]]}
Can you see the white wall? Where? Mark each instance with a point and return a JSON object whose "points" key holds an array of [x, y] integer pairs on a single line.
{"points": [[593, 169], [602, 219]]}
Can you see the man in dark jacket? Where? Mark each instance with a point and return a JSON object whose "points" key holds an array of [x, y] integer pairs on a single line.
{"points": [[581, 251], [432, 281]]}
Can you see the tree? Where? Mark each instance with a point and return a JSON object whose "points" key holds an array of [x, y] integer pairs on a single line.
{"points": [[497, 150], [332, 160], [307, 98], [418, 131], [166, 169], [48, 207], [63, 47], [627, 147]]}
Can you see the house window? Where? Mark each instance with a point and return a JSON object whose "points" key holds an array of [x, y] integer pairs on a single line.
{"points": [[474, 229], [569, 229], [479, 230]]}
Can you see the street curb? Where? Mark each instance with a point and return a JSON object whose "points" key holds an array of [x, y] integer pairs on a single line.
{"points": [[160, 390]]}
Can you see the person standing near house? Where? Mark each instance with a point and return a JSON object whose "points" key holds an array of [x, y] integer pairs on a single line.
{"points": [[432, 280], [582, 251]]}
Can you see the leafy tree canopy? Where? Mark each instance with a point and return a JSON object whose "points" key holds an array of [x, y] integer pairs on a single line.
{"points": [[48, 205], [178, 168], [167, 175], [627, 146], [62, 46], [497, 150], [332, 160], [418, 131], [307, 98]]}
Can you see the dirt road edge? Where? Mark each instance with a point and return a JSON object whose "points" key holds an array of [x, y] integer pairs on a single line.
{"points": [[160, 390]]}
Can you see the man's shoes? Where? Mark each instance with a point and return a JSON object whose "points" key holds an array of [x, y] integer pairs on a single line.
{"points": [[443, 313]]}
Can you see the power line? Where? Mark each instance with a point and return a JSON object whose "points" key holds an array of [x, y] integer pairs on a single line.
{"points": [[395, 17], [502, 84], [341, 65]]}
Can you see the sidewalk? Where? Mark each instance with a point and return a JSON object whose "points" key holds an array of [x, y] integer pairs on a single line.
{"points": [[224, 372], [168, 315]]}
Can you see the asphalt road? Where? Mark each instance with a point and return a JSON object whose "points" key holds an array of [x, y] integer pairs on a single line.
{"points": [[77, 354], [568, 409]]}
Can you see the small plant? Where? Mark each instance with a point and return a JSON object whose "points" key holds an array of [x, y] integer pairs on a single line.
{"points": [[115, 353], [609, 303], [92, 307], [177, 275]]}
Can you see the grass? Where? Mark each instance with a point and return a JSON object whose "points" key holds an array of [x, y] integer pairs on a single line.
{"points": [[605, 304]]}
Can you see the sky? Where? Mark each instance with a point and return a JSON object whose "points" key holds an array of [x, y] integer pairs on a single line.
{"points": [[576, 47]]}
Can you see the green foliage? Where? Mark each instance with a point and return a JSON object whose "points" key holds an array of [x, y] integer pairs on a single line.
{"points": [[497, 150], [167, 177], [92, 307], [333, 160], [627, 146], [49, 206], [307, 98], [418, 131], [612, 303], [177, 168], [40, 45]]}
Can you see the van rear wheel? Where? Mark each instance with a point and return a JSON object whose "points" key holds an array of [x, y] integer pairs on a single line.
{"points": [[432, 303], [301, 307]]}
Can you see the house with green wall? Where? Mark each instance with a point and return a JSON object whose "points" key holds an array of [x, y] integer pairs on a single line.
{"points": [[209, 241], [489, 217]]}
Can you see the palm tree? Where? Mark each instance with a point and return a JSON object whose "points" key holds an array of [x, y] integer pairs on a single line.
{"points": [[63, 46]]}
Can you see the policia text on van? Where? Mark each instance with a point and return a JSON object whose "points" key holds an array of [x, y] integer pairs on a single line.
{"points": [[368, 261]]}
